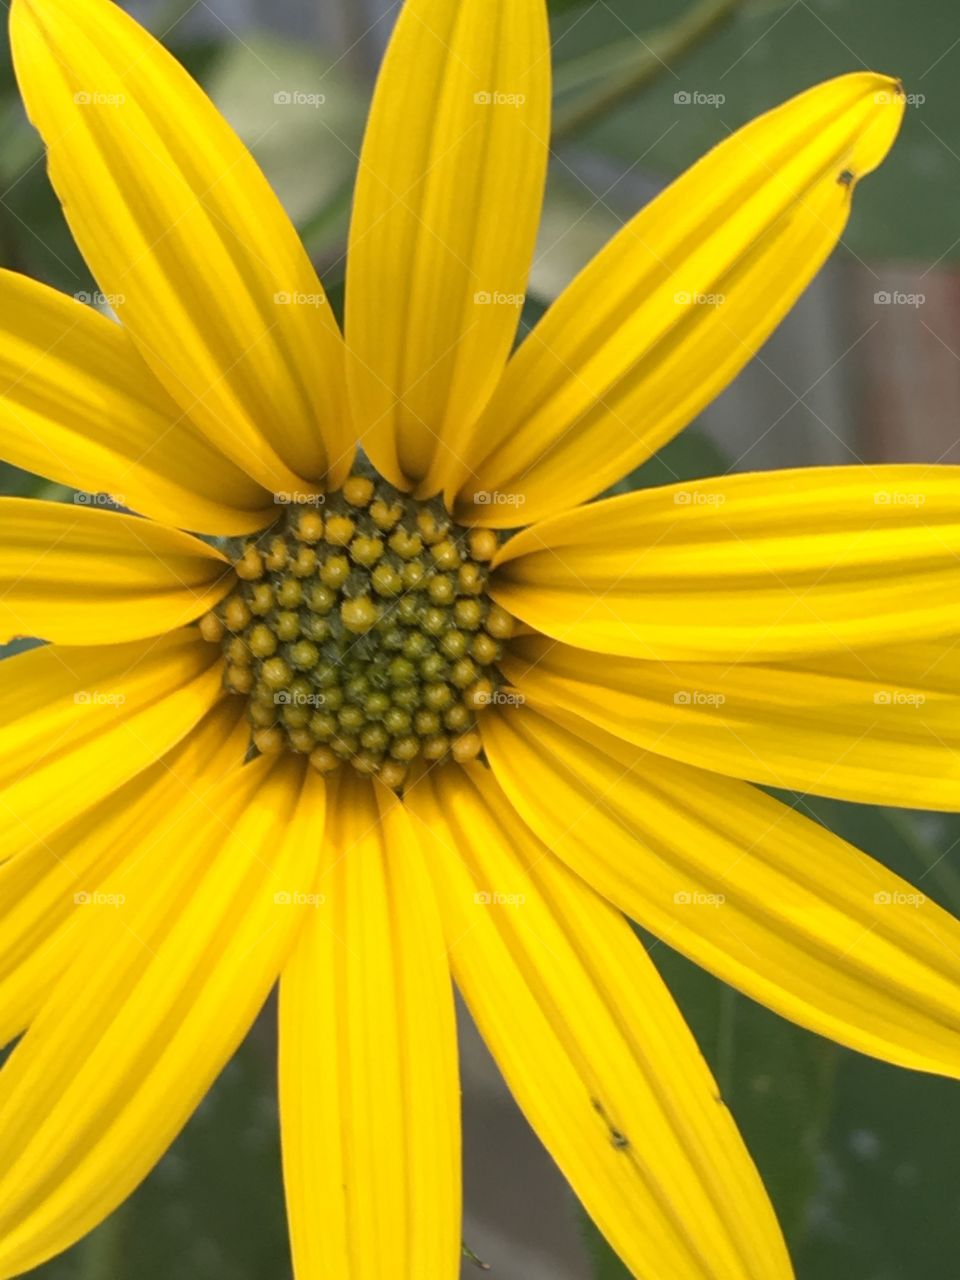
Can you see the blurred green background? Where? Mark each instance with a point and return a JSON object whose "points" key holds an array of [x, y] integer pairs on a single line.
{"points": [[862, 1161]]}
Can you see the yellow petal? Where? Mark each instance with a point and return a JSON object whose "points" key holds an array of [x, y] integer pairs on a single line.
{"points": [[173, 962], [747, 568], [81, 575], [76, 723], [186, 239], [876, 725], [369, 1097], [592, 1045], [44, 888], [78, 405], [671, 310], [444, 221], [762, 897]]}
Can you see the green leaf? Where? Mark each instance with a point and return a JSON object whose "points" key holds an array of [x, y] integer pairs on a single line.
{"points": [[213, 1207], [770, 51], [604, 1263], [777, 1080], [302, 115], [888, 1197], [859, 1157], [307, 146], [691, 455]]}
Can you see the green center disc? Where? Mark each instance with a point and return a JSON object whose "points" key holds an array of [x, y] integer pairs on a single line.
{"points": [[360, 631]]}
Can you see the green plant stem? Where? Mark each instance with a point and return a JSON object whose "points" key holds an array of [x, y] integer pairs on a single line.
{"points": [[663, 48], [9, 246], [935, 865], [101, 1253], [726, 1038]]}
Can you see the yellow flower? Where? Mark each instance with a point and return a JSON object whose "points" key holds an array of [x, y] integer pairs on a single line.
{"points": [[431, 788]]}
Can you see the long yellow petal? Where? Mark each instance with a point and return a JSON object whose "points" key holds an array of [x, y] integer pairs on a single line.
{"points": [[444, 221], [186, 239], [592, 1045], [45, 888], [369, 1096], [78, 405], [764, 898], [76, 723], [747, 568], [876, 725], [677, 303], [81, 575], [173, 962]]}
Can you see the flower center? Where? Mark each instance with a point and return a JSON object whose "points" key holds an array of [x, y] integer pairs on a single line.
{"points": [[361, 631]]}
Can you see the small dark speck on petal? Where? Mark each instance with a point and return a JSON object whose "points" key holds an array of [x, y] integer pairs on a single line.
{"points": [[618, 1139]]}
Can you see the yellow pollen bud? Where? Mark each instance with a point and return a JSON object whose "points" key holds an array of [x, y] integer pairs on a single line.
{"points": [[358, 491], [269, 742], [250, 565], [499, 623], [323, 760], [359, 615], [211, 628], [385, 514], [310, 526], [366, 551], [340, 529], [466, 748], [483, 544], [236, 614]]}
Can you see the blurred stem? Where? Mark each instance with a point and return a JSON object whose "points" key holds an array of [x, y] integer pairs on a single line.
{"points": [[9, 244], [726, 1046], [101, 1254], [170, 14], [663, 48], [317, 231], [357, 24], [797, 1221], [935, 864]]}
